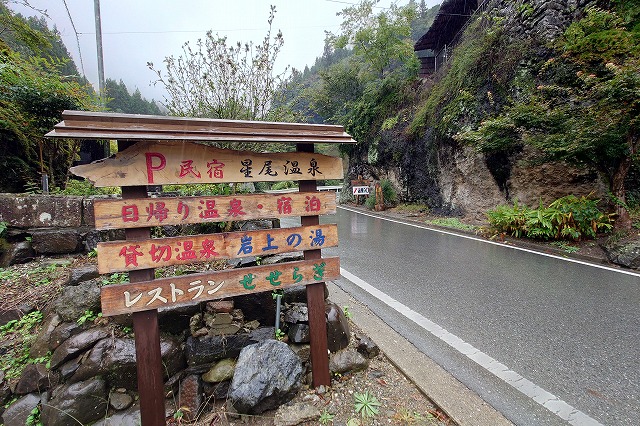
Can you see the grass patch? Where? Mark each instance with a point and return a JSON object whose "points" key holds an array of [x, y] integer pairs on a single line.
{"points": [[451, 222], [412, 208]]}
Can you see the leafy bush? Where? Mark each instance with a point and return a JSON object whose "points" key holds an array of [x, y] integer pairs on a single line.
{"points": [[370, 202], [568, 217], [388, 192], [284, 185], [84, 188]]}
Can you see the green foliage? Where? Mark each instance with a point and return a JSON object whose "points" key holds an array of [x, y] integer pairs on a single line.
{"points": [[388, 192], [366, 404], [280, 334], [88, 316], [284, 185], [326, 417], [3, 228], [451, 222], [119, 100], [568, 217], [567, 248], [347, 312], [116, 278], [33, 419], [84, 188], [370, 202], [413, 208], [21, 334], [33, 94], [199, 189]]}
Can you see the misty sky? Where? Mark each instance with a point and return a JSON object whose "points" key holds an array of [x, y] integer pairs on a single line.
{"points": [[135, 32]]}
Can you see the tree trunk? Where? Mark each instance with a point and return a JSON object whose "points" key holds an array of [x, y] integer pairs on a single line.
{"points": [[623, 220]]}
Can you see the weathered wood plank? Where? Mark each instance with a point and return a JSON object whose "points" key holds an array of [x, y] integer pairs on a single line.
{"points": [[144, 212], [161, 163], [186, 289], [100, 125], [117, 256]]}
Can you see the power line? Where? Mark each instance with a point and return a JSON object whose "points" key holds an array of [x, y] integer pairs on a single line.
{"points": [[73, 25]]}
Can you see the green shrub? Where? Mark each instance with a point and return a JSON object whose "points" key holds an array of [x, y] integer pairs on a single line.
{"points": [[370, 202], [388, 192], [84, 188], [568, 217]]}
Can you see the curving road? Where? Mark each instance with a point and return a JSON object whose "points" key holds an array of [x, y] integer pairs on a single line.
{"points": [[544, 340]]}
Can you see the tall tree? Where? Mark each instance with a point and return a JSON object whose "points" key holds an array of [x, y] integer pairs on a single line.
{"points": [[218, 80]]}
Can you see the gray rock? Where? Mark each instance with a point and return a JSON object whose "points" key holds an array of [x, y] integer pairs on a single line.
{"points": [[220, 372], [367, 347], [267, 375], [83, 273], [120, 400], [190, 396], [80, 342], [75, 300], [338, 332], [130, 417], [115, 359], [291, 415], [40, 210], [20, 252], [16, 414], [35, 377], [205, 350], [282, 258], [303, 351], [216, 391], [40, 346], [299, 333], [64, 331], [55, 241], [298, 312], [347, 360], [67, 369], [7, 315], [627, 254], [82, 402]]}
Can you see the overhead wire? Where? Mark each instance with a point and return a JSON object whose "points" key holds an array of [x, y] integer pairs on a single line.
{"points": [[73, 25]]}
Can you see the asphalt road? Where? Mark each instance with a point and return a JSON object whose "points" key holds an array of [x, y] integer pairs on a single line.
{"points": [[543, 340]]}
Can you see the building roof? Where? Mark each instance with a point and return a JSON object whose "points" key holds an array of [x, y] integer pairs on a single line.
{"points": [[453, 14]]}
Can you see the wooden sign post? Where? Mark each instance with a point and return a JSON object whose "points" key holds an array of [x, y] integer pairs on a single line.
{"points": [[163, 154]]}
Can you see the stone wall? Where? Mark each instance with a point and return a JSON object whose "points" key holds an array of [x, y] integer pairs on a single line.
{"points": [[47, 225]]}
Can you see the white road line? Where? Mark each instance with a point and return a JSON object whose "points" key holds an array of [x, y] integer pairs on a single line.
{"points": [[567, 259], [501, 371]]}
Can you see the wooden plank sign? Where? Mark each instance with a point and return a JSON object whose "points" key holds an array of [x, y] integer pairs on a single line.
{"points": [[186, 289], [161, 163], [144, 212], [119, 256]]}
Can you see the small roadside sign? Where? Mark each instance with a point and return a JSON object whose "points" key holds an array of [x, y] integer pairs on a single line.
{"points": [[360, 190]]}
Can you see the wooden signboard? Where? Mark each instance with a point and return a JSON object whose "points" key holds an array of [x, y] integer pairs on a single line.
{"points": [[186, 289], [144, 212], [161, 163], [120, 256]]}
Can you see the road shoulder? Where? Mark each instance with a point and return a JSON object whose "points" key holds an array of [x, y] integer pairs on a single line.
{"points": [[460, 403]]}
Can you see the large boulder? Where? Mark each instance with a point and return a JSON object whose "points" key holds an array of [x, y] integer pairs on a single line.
{"points": [[130, 417], [208, 349], [16, 414], [267, 375], [338, 332], [77, 403], [20, 252], [35, 378], [40, 346], [40, 210], [55, 241], [75, 300], [80, 342], [115, 359], [626, 254]]}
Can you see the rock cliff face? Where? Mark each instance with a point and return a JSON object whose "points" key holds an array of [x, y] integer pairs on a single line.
{"points": [[465, 180]]}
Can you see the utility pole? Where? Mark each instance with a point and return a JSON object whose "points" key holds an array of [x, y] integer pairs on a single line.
{"points": [[96, 8], [101, 85]]}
